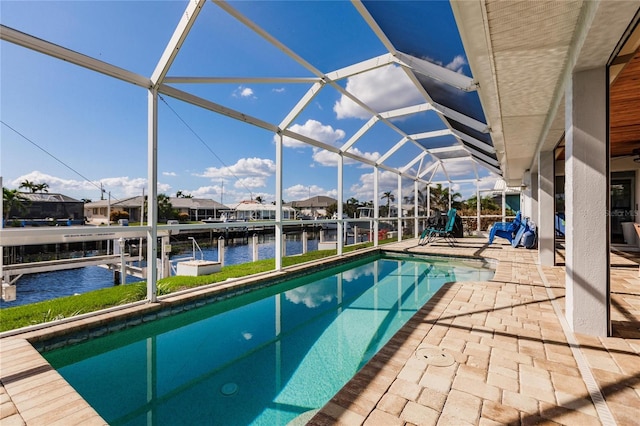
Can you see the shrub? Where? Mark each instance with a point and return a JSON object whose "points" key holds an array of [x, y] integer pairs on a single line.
{"points": [[118, 214], [183, 217]]}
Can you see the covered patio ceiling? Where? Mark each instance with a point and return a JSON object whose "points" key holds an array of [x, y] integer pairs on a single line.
{"points": [[524, 59]]}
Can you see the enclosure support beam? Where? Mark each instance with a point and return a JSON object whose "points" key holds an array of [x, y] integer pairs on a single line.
{"points": [[478, 208], [376, 207], [340, 227], [399, 201], [416, 229], [279, 232], [152, 204]]}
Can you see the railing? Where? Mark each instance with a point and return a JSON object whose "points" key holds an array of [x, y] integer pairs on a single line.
{"points": [[195, 245]]}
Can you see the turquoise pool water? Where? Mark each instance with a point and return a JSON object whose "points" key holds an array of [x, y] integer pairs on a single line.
{"points": [[262, 358]]}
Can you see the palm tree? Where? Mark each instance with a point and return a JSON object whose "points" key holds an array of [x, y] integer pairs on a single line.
{"points": [[486, 203], [440, 198], [390, 197], [41, 187], [34, 187], [181, 194], [165, 208], [351, 206], [12, 199], [27, 184], [259, 199]]}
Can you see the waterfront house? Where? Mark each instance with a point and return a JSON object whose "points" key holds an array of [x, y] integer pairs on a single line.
{"points": [[313, 207], [253, 210], [45, 208], [198, 209]]}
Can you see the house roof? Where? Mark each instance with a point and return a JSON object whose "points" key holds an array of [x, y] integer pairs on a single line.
{"points": [[254, 205], [178, 203], [319, 201], [45, 197]]}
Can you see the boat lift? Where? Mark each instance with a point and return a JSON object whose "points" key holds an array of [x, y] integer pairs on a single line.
{"points": [[10, 274]]}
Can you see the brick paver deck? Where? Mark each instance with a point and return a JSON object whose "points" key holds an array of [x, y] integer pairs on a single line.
{"points": [[512, 362]]}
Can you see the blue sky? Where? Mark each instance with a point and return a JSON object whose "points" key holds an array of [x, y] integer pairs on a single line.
{"points": [[96, 127]]}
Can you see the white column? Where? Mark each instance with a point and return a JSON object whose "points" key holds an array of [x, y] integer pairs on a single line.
{"points": [[164, 256], [478, 207], [221, 245], [376, 206], [279, 239], [305, 239], [399, 201], [526, 194], [254, 246], [586, 189], [533, 193], [416, 230], [340, 228], [152, 202], [2, 283], [546, 212]]}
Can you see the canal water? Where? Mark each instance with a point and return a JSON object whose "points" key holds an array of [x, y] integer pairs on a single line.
{"points": [[50, 285]]}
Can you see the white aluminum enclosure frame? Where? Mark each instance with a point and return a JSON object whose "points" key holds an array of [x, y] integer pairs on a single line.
{"points": [[159, 84]]}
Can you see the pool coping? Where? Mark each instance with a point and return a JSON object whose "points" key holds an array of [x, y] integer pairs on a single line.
{"points": [[32, 391], [38, 392]]}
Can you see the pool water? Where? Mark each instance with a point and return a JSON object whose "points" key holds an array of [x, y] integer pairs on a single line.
{"points": [[262, 358]]}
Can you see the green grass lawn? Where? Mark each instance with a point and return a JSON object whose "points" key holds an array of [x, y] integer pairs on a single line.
{"points": [[64, 307]]}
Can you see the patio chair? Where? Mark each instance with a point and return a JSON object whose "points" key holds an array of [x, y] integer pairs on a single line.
{"points": [[430, 235], [435, 221], [508, 230]]}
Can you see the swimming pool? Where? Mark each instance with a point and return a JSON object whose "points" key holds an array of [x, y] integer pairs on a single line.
{"points": [[262, 358]]}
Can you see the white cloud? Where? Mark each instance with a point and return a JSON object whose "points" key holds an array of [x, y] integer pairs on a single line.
{"points": [[457, 63], [227, 194], [312, 295], [243, 168], [373, 156], [302, 192], [120, 187], [169, 174], [211, 192], [383, 89], [314, 130], [460, 169], [328, 135], [325, 158], [246, 173], [354, 274], [328, 158], [488, 182], [279, 90], [243, 92], [251, 182], [363, 190]]}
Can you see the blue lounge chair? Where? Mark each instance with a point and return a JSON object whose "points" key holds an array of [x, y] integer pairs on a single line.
{"points": [[508, 230], [430, 235]]}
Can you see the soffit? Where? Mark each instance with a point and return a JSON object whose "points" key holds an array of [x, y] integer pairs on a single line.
{"points": [[521, 64]]}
